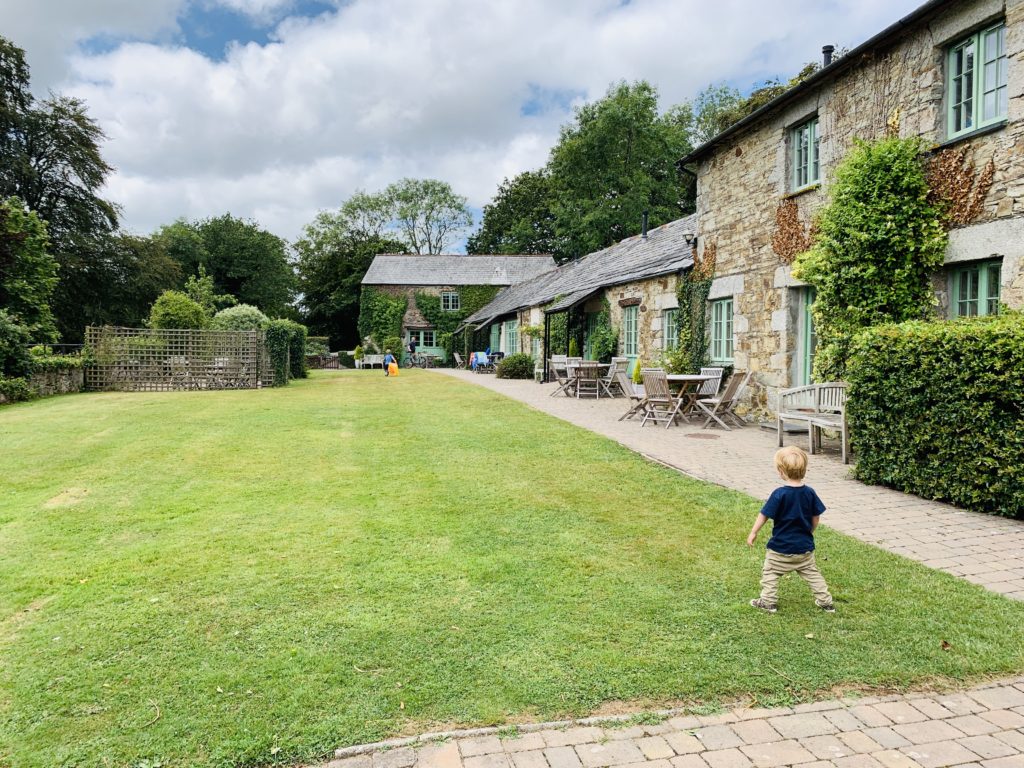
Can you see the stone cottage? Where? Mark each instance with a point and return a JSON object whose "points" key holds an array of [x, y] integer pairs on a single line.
{"points": [[446, 277], [635, 280], [951, 72]]}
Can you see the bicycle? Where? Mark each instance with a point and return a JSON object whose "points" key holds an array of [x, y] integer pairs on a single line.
{"points": [[415, 360]]}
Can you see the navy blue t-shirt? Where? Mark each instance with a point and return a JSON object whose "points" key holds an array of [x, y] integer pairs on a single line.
{"points": [[790, 509]]}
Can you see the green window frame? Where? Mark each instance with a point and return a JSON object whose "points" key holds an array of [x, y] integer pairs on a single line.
{"points": [[721, 331], [808, 337], [495, 337], [670, 328], [630, 331], [511, 336], [975, 289], [977, 79], [450, 301], [806, 144]]}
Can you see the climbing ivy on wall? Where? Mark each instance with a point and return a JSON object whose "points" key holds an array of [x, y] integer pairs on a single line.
{"points": [[471, 298], [878, 241], [380, 315], [692, 317]]}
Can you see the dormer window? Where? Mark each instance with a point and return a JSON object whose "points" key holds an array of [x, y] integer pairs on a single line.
{"points": [[806, 163]]}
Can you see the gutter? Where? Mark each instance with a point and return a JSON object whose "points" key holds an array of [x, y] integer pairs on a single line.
{"points": [[846, 62]]}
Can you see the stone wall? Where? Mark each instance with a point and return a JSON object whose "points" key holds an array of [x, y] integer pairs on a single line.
{"points": [[899, 88], [656, 295], [59, 382]]}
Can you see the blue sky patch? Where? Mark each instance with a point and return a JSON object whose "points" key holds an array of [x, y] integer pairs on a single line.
{"points": [[543, 100]]}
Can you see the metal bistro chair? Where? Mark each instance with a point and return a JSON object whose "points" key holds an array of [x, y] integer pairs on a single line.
{"points": [[662, 405], [637, 398]]}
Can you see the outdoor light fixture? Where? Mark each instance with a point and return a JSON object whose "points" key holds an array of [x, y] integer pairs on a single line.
{"points": [[690, 238]]}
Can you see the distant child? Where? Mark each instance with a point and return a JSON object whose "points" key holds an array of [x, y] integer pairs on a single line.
{"points": [[794, 510], [388, 360]]}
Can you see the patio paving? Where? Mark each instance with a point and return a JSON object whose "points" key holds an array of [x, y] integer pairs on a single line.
{"points": [[979, 728], [983, 549]]}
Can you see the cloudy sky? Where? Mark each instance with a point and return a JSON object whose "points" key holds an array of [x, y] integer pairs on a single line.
{"points": [[274, 109]]}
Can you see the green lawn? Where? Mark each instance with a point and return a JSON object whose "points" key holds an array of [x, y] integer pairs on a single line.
{"points": [[243, 578]]}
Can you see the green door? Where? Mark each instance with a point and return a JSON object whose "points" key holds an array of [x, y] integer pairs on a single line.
{"points": [[495, 337], [630, 335], [807, 339]]}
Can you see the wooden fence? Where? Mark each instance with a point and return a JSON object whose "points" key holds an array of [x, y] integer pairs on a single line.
{"points": [[145, 360]]}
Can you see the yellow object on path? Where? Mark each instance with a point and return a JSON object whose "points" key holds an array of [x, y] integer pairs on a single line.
{"points": [[392, 369]]}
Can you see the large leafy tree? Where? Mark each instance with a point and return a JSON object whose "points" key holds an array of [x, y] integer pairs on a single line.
{"points": [[616, 160], [333, 255], [244, 260], [519, 218], [427, 214], [50, 159]]}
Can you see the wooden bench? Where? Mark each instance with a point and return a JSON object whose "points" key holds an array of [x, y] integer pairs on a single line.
{"points": [[820, 406]]}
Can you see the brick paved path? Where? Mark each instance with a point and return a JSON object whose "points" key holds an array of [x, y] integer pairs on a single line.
{"points": [[979, 728], [981, 548]]}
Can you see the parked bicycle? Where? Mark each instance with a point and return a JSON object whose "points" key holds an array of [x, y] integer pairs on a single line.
{"points": [[416, 360]]}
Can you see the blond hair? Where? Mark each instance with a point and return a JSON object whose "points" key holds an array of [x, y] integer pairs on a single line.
{"points": [[791, 462]]}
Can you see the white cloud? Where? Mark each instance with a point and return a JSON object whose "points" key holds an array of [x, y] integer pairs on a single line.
{"points": [[390, 88]]}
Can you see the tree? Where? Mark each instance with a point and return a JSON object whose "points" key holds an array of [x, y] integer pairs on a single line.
{"points": [[28, 273], [333, 255], [518, 219], [244, 260], [428, 214], [615, 161], [200, 289], [173, 309], [50, 158]]}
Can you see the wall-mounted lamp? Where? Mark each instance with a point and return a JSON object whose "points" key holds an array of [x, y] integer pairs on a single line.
{"points": [[690, 238]]}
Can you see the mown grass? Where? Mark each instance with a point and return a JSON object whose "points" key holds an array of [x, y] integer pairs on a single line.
{"points": [[221, 579]]}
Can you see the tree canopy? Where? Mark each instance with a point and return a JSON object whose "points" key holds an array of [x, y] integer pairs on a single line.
{"points": [[427, 213], [28, 273], [519, 218]]}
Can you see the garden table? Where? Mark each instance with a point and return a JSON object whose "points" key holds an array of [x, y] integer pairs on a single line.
{"points": [[586, 377], [689, 386]]}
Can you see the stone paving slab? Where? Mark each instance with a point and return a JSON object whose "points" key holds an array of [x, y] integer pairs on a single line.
{"points": [[924, 731], [980, 548]]}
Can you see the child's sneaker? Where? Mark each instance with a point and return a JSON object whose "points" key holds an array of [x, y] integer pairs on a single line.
{"points": [[829, 608], [764, 605]]}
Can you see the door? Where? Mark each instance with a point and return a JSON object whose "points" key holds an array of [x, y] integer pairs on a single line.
{"points": [[807, 339], [630, 335]]}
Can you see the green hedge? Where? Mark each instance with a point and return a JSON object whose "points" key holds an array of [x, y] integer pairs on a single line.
{"points": [[15, 389], [935, 410], [297, 349], [279, 336], [517, 366]]}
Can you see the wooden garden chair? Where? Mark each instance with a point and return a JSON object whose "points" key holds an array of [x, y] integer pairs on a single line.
{"points": [[722, 406], [637, 398], [560, 370], [460, 364], [609, 382], [662, 405]]}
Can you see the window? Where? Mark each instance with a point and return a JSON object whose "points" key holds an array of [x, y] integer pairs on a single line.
{"points": [[806, 165], [977, 75], [975, 290], [670, 328], [511, 337], [495, 337], [422, 338], [721, 331], [630, 336], [450, 301]]}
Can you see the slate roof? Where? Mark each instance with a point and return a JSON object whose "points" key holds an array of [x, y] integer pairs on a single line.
{"points": [[664, 252], [416, 269]]}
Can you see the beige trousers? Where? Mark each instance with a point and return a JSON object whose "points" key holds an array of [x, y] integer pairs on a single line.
{"points": [[777, 565]]}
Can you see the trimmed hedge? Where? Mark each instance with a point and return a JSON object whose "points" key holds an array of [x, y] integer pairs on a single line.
{"points": [[297, 349], [935, 410], [279, 337], [241, 317]]}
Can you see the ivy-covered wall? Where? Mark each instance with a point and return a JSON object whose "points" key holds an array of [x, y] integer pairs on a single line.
{"points": [[380, 314], [471, 298]]}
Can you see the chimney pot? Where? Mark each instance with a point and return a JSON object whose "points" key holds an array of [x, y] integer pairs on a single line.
{"points": [[643, 233], [827, 52]]}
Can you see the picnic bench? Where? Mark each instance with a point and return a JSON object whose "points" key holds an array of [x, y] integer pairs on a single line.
{"points": [[820, 406]]}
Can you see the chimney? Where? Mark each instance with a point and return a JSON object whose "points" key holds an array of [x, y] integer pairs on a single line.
{"points": [[643, 233], [827, 52]]}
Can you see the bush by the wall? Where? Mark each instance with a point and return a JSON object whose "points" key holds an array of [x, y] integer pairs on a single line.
{"points": [[517, 366], [15, 389], [318, 345], [935, 410], [241, 317], [47, 362], [278, 340], [173, 309], [297, 349], [345, 360], [15, 360], [394, 343]]}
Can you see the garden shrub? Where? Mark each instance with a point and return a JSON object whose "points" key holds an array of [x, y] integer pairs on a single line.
{"points": [[15, 389], [345, 360], [278, 340], [15, 359], [357, 353], [394, 343], [517, 366], [878, 241], [318, 345], [935, 410], [297, 349], [43, 360], [241, 317], [173, 309]]}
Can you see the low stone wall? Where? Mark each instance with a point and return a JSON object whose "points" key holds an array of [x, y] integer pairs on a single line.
{"points": [[59, 382]]}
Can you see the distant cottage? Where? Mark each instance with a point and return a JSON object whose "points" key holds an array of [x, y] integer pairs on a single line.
{"points": [[447, 281]]}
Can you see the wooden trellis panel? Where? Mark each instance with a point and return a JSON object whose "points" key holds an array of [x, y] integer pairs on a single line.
{"points": [[145, 360]]}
